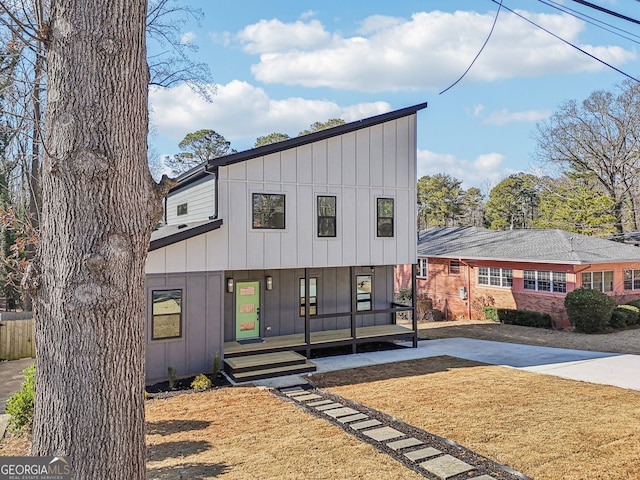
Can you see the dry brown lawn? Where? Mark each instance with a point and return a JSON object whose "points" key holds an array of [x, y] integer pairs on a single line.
{"points": [[545, 427]]}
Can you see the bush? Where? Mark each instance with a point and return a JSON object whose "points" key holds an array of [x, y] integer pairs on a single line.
{"points": [[201, 382], [589, 311], [479, 304], [525, 318], [624, 315], [634, 303], [20, 404], [491, 313]]}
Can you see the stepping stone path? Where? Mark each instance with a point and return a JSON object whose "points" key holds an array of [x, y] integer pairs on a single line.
{"points": [[405, 447]]}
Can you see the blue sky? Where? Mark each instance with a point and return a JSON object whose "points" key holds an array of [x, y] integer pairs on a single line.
{"points": [[280, 66]]}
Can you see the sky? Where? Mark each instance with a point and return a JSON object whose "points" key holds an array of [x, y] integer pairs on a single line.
{"points": [[281, 66]]}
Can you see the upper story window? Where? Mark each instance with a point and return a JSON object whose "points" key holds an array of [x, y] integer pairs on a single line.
{"points": [[495, 277], [601, 281], [423, 268], [632, 279], [454, 267], [166, 314], [182, 209], [544, 281], [313, 296], [326, 216], [384, 215], [268, 211], [363, 292]]}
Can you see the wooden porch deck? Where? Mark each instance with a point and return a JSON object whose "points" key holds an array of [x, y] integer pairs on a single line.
{"points": [[318, 339]]}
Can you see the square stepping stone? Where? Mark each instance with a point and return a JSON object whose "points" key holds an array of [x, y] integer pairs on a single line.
{"points": [[446, 466], [365, 424], [483, 477], [319, 402], [340, 412], [352, 418], [406, 443], [304, 398], [329, 406], [422, 454], [384, 433]]}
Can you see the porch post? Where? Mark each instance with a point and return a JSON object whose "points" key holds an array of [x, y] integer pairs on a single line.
{"points": [[414, 299], [354, 304], [307, 314]]}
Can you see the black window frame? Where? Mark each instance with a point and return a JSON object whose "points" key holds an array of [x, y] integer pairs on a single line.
{"points": [[276, 226], [364, 298], [323, 218], [385, 224], [154, 315], [182, 209]]}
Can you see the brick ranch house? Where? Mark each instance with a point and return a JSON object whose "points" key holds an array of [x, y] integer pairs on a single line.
{"points": [[520, 269]]}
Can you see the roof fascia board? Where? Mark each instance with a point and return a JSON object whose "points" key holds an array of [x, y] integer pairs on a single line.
{"points": [[184, 235]]}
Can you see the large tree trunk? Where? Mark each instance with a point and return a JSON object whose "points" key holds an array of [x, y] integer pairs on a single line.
{"points": [[99, 205]]}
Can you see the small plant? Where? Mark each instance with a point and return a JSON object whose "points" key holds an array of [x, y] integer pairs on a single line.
{"points": [[491, 313], [20, 404], [479, 305], [217, 364], [589, 310], [201, 382], [172, 376]]}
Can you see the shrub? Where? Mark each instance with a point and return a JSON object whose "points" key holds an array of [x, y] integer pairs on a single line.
{"points": [[624, 315], [589, 311], [525, 318], [201, 382], [20, 404], [634, 303], [491, 313], [479, 305]]}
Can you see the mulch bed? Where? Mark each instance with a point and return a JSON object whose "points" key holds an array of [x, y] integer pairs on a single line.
{"points": [[183, 385]]}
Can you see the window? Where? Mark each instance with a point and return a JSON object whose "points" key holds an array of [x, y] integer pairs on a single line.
{"points": [[326, 216], [544, 281], [363, 293], [268, 211], [632, 279], [495, 277], [182, 209], [313, 296], [384, 217], [601, 281], [423, 269], [166, 318], [454, 267]]}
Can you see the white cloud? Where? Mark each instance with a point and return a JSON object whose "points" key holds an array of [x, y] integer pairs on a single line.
{"points": [[504, 116], [484, 172], [308, 14], [242, 112], [430, 50], [187, 38]]}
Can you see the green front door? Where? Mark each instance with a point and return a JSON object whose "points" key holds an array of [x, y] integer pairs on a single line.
{"points": [[247, 310]]}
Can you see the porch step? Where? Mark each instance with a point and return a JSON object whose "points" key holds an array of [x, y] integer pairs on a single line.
{"points": [[267, 365]]}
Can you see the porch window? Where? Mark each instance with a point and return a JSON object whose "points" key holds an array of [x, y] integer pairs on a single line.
{"points": [[601, 281], [631, 279], [363, 292], [454, 267], [166, 318], [495, 277], [423, 268], [313, 296], [326, 216], [268, 211], [181, 209], [544, 281], [384, 215]]}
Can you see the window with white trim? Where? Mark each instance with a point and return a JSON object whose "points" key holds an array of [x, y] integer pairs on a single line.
{"points": [[544, 281], [631, 279], [423, 268], [601, 281], [454, 267], [495, 276]]}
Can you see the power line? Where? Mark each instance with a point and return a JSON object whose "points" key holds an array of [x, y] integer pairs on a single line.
{"points": [[607, 11]]}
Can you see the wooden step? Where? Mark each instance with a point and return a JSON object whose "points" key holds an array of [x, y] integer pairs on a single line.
{"points": [[263, 361], [250, 376]]}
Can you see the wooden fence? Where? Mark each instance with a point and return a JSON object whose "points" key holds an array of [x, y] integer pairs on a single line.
{"points": [[16, 339]]}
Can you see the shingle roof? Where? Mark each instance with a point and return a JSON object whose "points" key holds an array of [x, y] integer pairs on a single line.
{"points": [[542, 246]]}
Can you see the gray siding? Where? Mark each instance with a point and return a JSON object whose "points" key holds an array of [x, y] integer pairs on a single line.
{"points": [[202, 335], [200, 200]]}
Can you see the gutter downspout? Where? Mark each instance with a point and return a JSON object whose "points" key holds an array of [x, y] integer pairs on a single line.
{"points": [[468, 274]]}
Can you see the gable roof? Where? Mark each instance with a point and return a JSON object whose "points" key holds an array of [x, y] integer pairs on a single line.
{"points": [[540, 246], [209, 166]]}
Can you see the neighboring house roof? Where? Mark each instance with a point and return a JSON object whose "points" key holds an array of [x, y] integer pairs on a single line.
{"points": [[170, 234], [204, 169], [540, 246]]}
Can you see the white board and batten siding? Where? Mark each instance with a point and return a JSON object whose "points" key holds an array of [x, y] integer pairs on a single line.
{"points": [[200, 201], [356, 167]]}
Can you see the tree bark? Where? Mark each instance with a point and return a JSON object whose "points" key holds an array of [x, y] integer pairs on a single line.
{"points": [[99, 206]]}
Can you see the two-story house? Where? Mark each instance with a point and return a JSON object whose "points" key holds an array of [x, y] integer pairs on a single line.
{"points": [[288, 246]]}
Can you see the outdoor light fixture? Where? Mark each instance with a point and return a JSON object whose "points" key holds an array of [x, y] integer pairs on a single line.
{"points": [[269, 280], [230, 285]]}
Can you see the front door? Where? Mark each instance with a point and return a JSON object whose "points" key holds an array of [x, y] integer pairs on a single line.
{"points": [[247, 310]]}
